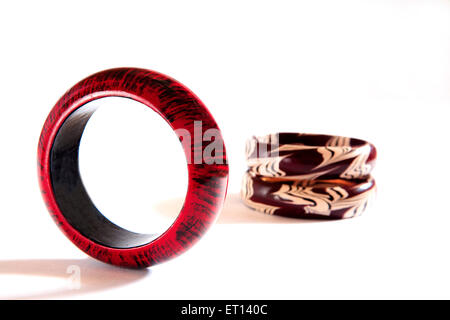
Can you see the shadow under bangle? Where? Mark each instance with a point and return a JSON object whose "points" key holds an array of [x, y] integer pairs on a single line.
{"points": [[68, 201]]}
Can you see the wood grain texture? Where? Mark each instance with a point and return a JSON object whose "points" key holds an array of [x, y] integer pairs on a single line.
{"points": [[180, 108]]}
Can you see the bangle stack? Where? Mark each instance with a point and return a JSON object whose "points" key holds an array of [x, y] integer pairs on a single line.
{"points": [[309, 175]]}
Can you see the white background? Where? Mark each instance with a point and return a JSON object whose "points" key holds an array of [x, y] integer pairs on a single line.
{"points": [[376, 70]]}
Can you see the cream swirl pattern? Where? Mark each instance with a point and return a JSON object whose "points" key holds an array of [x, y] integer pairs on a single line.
{"points": [[308, 175]]}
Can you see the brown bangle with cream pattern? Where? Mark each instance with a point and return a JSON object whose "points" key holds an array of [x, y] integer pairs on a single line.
{"points": [[309, 175], [310, 156]]}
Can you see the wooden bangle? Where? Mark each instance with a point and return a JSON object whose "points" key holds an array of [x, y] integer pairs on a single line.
{"points": [[68, 201], [330, 199], [310, 156]]}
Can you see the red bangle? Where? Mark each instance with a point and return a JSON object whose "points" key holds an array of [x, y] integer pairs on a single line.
{"points": [[331, 199], [67, 199], [310, 156]]}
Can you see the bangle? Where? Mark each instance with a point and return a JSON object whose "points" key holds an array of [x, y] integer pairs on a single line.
{"points": [[67, 200], [310, 156], [332, 199]]}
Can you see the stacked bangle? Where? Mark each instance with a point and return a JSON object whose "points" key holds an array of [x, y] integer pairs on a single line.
{"points": [[308, 175]]}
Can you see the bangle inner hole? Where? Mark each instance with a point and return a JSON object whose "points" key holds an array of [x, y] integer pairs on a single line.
{"points": [[125, 155]]}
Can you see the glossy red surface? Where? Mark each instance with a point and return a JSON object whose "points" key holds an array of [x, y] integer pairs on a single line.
{"points": [[180, 108]]}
